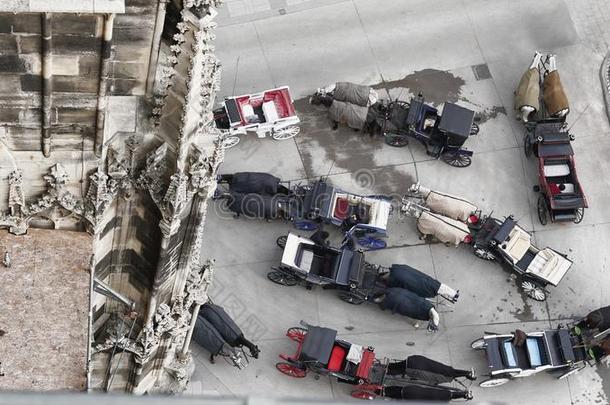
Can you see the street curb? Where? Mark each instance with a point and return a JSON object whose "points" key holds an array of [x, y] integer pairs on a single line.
{"points": [[605, 76]]}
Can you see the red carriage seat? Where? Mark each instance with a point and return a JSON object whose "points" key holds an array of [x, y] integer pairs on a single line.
{"points": [[282, 101], [364, 368], [341, 208], [337, 357]]}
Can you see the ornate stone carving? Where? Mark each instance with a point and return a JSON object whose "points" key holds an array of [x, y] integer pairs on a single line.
{"points": [[99, 195], [16, 199], [152, 177]]}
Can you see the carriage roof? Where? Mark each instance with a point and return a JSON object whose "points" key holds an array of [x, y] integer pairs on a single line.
{"points": [[456, 120]]}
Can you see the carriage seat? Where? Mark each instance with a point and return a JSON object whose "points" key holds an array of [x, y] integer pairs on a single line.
{"points": [[556, 170], [518, 244], [535, 352], [281, 101], [270, 111], [549, 265], [337, 358], [568, 188], [341, 210]]}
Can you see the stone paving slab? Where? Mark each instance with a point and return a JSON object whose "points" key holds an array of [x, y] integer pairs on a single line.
{"points": [[45, 296]]}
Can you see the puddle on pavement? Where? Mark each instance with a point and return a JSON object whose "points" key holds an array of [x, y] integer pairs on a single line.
{"points": [[437, 86], [351, 151]]}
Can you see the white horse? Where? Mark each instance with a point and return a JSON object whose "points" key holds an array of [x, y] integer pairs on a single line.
{"points": [[443, 228], [445, 204]]}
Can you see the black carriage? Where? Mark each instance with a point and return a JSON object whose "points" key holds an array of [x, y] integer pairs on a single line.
{"points": [[508, 243], [442, 135], [262, 195], [320, 264], [561, 196]]}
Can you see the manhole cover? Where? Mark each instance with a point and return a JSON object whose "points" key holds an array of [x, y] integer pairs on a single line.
{"points": [[481, 72], [282, 11]]}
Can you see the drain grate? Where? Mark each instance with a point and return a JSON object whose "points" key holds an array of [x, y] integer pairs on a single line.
{"points": [[481, 72]]}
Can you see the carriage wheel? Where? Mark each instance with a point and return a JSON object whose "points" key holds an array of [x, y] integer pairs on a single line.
{"points": [[363, 395], [543, 210], [580, 213], [479, 344], [398, 141], [484, 254], [286, 132], [281, 278], [474, 128], [230, 141], [351, 298], [456, 160], [281, 241], [370, 243], [290, 370], [493, 382], [533, 290], [296, 333]]}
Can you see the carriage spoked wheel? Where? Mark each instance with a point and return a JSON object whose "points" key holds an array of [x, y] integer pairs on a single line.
{"points": [[533, 290], [398, 141], [493, 382], [580, 214], [296, 333], [474, 128], [281, 241], [351, 298], [479, 344], [286, 133], [230, 141], [290, 370], [456, 160], [483, 254], [282, 278], [543, 210]]}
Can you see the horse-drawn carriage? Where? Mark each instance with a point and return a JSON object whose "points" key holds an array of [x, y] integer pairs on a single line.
{"points": [[262, 195], [561, 196], [368, 214], [564, 351], [442, 135], [454, 220], [320, 351], [511, 245], [269, 113], [320, 264], [547, 137]]}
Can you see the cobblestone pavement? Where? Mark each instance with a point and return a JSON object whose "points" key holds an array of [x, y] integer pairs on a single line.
{"points": [[44, 296], [402, 47]]}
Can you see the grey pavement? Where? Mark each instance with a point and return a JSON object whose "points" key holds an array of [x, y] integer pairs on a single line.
{"points": [[402, 47]]}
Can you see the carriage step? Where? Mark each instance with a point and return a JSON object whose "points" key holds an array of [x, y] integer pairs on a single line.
{"points": [[564, 217]]}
